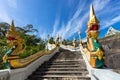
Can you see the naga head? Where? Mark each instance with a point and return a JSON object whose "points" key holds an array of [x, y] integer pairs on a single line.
{"points": [[13, 37], [93, 25]]}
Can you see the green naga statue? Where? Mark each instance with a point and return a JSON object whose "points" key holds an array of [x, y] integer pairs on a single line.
{"points": [[94, 51]]}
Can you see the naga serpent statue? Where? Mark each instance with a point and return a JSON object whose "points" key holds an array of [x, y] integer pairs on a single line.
{"points": [[74, 42], [16, 44], [11, 58], [94, 51]]}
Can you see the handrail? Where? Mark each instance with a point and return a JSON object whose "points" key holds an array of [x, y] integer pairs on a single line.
{"points": [[23, 73], [100, 74], [97, 74], [4, 74]]}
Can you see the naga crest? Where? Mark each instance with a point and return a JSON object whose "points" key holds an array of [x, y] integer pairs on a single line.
{"points": [[93, 25], [14, 39], [94, 51]]}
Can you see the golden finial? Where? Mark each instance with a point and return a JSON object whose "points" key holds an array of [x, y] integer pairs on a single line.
{"points": [[93, 19], [12, 25], [12, 29]]}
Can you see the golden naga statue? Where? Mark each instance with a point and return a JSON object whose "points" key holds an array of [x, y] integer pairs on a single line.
{"points": [[16, 44], [11, 59], [57, 43], [14, 40], [94, 51], [74, 42]]}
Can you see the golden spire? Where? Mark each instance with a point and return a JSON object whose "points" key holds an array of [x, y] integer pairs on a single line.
{"points": [[93, 19], [12, 28]]}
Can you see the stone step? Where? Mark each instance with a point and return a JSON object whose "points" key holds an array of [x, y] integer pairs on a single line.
{"points": [[62, 69], [66, 60], [60, 72], [59, 77], [61, 62], [65, 65], [67, 73], [61, 66]]}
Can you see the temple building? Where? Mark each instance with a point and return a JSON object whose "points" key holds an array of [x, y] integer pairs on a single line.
{"points": [[111, 31]]}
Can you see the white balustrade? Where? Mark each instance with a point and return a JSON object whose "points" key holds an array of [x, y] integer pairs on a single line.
{"points": [[100, 74], [23, 73], [4, 74]]}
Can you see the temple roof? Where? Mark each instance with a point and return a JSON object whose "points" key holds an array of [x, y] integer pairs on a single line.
{"points": [[111, 31]]}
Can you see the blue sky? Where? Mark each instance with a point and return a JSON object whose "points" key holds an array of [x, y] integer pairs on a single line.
{"points": [[63, 17]]}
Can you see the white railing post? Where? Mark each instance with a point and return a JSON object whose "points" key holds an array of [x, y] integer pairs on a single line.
{"points": [[5, 74]]}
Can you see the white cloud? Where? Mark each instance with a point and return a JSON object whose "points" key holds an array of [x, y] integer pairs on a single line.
{"points": [[12, 3], [79, 20], [100, 4], [55, 26], [4, 16], [42, 32], [43, 35], [112, 21], [107, 11], [60, 32], [74, 24]]}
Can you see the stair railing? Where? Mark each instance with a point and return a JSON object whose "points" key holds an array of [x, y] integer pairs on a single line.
{"points": [[100, 74], [97, 74], [23, 73]]}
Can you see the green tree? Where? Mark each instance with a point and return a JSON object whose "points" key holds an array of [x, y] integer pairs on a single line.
{"points": [[64, 42], [3, 28], [51, 40], [29, 28]]}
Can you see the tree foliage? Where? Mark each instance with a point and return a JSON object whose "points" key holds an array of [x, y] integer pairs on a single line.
{"points": [[66, 42], [51, 40], [3, 28]]}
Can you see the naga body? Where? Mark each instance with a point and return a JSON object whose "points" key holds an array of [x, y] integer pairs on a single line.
{"points": [[94, 51], [11, 58], [16, 44]]}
